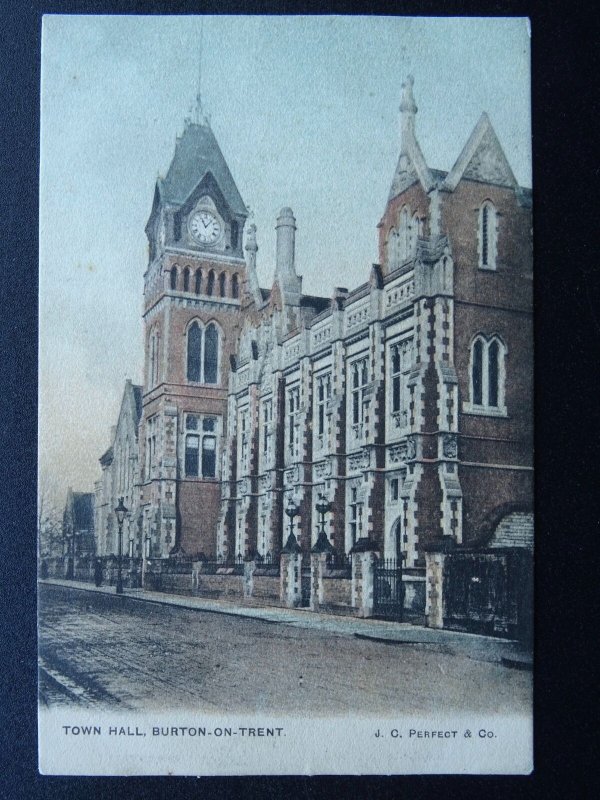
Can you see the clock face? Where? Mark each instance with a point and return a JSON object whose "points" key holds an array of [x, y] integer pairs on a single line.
{"points": [[205, 227]]}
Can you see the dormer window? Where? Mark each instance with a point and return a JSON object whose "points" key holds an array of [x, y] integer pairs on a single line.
{"points": [[488, 227]]}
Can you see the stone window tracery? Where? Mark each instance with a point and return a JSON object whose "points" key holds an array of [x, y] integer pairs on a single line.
{"points": [[487, 375]]}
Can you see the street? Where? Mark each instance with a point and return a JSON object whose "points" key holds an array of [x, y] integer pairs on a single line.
{"points": [[100, 650]]}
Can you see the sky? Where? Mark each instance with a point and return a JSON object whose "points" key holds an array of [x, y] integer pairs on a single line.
{"points": [[305, 110]]}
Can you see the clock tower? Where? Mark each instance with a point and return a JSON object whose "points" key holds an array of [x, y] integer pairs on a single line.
{"points": [[193, 288]]}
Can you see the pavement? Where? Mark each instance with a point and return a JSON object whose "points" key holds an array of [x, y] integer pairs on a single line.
{"points": [[507, 652]]}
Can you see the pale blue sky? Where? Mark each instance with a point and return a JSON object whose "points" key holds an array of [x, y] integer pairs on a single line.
{"points": [[306, 112]]}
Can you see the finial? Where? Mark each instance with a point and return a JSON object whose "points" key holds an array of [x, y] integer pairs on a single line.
{"points": [[407, 103], [199, 117]]}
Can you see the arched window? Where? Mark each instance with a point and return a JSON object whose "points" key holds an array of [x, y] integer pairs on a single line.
{"points": [[210, 283], [222, 279], [211, 354], [415, 232], [392, 248], [235, 288], [404, 235], [194, 352], [186, 279], [174, 278], [487, 376], [154, 356], [488, 226], [198, 281]]}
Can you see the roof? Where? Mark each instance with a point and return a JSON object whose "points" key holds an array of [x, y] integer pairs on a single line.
{"points": [[83, 510], [197, 154], [137, 396], [313, 301]]}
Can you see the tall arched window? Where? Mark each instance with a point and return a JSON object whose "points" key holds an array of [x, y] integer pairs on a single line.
{"points": [[186, 279], [203, 353], [415, 232], [153, 361], [194, 352], [404, 236], [392, 248], [198, 281], [210, 283], [487, 376], [222, 278], [235, 288], [211, 354], [174, 278], [488, 227]]}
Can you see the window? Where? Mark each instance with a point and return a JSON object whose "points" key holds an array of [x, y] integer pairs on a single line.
{"points": [[234, 235], [487, 376], [235, 287], [323, 398], [200, 446], [394, 490], [211, 353], [244, 439], [293, 432], [222, 278], [203, 353], [356, 517], [198, 281], [186, 279], [174, 278], [488, 224], [267, 419], [403, 237], [401, 356], [210, 284], [359, 380], [154, 363], [392, 248], [151, 432]]}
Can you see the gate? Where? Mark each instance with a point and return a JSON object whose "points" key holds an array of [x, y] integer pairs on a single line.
{"points": [[388, 589], [490, 592], [305, 584]]}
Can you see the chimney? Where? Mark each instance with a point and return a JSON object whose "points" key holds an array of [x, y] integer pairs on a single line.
{"points": [[286, 240]]}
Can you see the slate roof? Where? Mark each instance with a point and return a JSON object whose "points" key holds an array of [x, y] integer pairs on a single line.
{"points": [[313, 301], [83, 510], [196, 154]]}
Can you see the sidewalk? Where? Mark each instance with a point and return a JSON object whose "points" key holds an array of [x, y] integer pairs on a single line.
{"points": [[480, 648]]}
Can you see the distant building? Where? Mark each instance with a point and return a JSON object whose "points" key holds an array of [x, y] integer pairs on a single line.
{"points": [[120, 478], [78, 525]]}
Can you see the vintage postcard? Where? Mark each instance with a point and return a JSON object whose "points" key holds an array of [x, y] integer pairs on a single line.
{"points": [[286, 468]]}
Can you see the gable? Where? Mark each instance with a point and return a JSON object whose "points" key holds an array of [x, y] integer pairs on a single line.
{"points": [[482, 159]]}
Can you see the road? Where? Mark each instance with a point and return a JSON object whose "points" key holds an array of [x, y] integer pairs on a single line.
{"points": [[99, 650]]}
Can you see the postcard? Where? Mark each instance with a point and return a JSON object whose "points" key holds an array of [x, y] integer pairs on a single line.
{"points": [[285, 520]]}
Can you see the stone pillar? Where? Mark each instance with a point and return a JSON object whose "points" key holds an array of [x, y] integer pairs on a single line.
{"points": [[318, 564], [363, 580], [434, 589], [249, 567], [290, 587]]}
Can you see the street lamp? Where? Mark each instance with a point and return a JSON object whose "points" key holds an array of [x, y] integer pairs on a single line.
{"points": [[323, 506], [120, 512], [292, 511]]}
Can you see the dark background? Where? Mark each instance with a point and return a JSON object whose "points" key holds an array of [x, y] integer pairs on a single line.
{"points": [[565, 66]]}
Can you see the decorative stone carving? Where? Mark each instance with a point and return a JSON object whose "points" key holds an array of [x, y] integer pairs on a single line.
{"points": [[450, 445], [359, 461], [291, 476], [323, 469]]}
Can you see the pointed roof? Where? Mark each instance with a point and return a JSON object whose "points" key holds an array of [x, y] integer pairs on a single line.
{"points": [[198, 154], [482, 159]]}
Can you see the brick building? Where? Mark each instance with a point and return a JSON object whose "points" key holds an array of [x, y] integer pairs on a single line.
{"points": [[404, 405]]}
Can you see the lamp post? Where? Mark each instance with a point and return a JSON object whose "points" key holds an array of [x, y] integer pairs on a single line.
{"points": [[120, 512], [323, 506], [292, 511]]}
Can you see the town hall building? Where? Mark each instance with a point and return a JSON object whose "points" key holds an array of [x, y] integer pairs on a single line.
{"points": [[384, 417]]}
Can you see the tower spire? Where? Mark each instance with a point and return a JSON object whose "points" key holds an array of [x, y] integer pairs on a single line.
{"points": [[199, 116]]}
